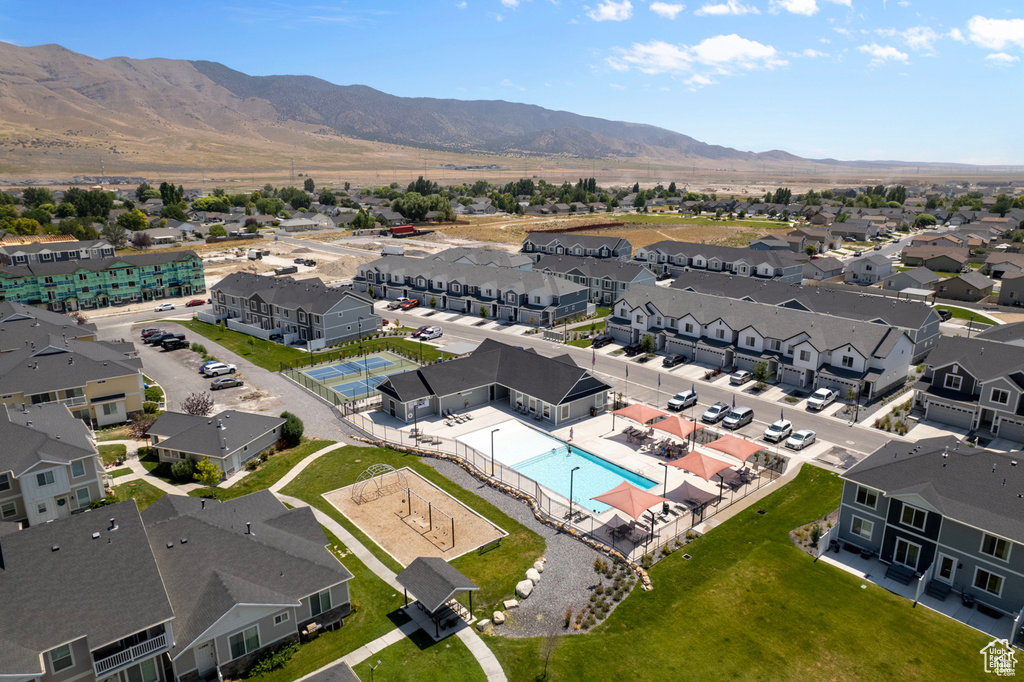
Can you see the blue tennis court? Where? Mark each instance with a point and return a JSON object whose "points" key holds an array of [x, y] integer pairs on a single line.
{"points": [[361, 387], [346, 368]]}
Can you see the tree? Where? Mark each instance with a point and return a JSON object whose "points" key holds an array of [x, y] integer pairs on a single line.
{"points": [[432, 303], [309, 185], [252, 226], [133, 220], [169, 194], [445, 212], [91, 202], [22, 226], [33, 197], [139, 425], [1002, 206], [66, 210], [647, 344], [218, 231], [198, 404], [140, 191], [762, 375], [636, 187], [810, 250], [175, 212], [115, 234], [141, 239], [924, 219], [483, 312], [327, 198], [291, 430], [208, 474], [79, 317], [211, 204]]}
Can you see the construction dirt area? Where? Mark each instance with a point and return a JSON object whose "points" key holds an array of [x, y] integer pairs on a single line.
{"points": [[329, 267], [411, 517]]}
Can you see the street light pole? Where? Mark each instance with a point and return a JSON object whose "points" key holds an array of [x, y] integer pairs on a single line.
{"points": [[493, 431], [361, 351], [571, 472], [372, 668]]}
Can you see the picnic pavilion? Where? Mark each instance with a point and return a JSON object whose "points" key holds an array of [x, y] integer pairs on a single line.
{"points": [[436, 585]]}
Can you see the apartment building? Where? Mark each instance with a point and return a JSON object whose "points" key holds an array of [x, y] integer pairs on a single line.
{"points": [[606, 279], [674, 257], [537, 244]]}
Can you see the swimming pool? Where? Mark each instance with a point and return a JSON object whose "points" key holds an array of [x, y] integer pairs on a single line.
{"points": [[548, 461]]}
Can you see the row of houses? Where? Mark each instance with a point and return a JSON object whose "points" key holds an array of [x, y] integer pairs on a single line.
{"points": [[674, 257]]}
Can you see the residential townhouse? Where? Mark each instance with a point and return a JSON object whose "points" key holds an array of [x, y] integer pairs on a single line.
{"points": [[305, 310], [553, 390], [537, 244], [946, 513], [99, 381], [243, 577], [503, 293], [229, 438], [675, 257], [491, 257], [89, 600], [55, 252], [607, 279], [967, 286], [823, 267], [1001, 264], [937, 259], [49, 465], [975, 384], [921, 279], [21, 325], [98, 283], [867, 270], [917, 320], [801, 348], [855, 229], [1011, 291]]}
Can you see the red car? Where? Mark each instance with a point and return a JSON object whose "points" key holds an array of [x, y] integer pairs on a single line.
{"points": [[195, 301], [411, 303]]}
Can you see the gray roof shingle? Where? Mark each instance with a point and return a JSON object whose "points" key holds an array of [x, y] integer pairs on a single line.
{"points": [[41, 433], [433, 581], [215, 436], [310, 295], [57, 363]]}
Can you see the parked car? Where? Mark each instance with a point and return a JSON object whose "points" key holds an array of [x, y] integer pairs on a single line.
{"points": [[632, 349], [416, 334], [218, 368], [601, 340], [195, 302], [431, 333], [741, 377], [159, 337], [410, 304], [680, 401], [778, 431], [299, 261], [202, 367], [309, 262], [877, 247], [175, 342], [162, 307], [397, 303], [224, 382], [148, 331], [801, 439], [673, 360], [715, 413], [822, 398], [945, 314], [737, 417], [858, 253]]}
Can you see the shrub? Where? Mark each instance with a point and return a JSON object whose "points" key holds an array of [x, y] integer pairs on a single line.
{"points": [[647, 561], [568, 616], [274, 659], [150, 408], [252, 464], [96, 504], [815, 534], [291, 430], [183, 470], [264, 456], [154, 394], [198, 348]]}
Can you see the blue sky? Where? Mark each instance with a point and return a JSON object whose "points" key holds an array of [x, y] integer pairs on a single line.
{"points": [[915, 80]]}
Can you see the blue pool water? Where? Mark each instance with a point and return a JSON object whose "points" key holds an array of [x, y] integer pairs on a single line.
{"points": [[548, 461]]}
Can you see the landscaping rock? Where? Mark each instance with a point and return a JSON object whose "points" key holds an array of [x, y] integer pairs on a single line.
{"points": [[482, 625], [538, 566], [524, 588], [510, 604], [532, 575], [498, 618]]}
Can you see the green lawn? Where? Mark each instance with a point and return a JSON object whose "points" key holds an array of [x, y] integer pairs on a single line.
{"points": [[118, 473], [269, 472], [418, 658], [376, 614], [749, 605], [602, 312], [262, 353], [142, 492], [113, 433], [965, 314], [697, 220], [580, 343], [496, 571], [151, 463], [110, 453]]}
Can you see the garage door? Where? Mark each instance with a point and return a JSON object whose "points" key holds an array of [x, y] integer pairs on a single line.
{"points": [[673, 346], [709, 357], [745, 363], [837, 386], [953, 416], [1011, 430]]}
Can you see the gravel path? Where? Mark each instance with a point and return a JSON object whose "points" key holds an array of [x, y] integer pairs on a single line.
{"points": [[568, 576]]}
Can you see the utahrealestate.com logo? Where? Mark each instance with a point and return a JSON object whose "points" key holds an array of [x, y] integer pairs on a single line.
{"points": [[1000, 658]]}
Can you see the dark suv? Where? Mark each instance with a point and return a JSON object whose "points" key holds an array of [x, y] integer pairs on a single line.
{"points": [[673, 360], [632, 349], [601, 340]]}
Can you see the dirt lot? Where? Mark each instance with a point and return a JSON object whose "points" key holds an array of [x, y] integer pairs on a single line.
{"points": [[384, 516], [329, 267]]}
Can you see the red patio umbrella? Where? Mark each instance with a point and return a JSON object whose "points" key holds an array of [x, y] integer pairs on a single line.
{"points": [[703, 465], [639, 412], [629, 499], [677, 426], [740, 448]]}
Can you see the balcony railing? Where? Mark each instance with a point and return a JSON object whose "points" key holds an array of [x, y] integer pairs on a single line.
{"points": [[130, 655]]}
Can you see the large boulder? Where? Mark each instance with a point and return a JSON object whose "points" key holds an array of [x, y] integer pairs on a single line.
{"points": [[538, 566], [532, 575], [482, 625], [510, 604], [524, 588], [498, 618]]}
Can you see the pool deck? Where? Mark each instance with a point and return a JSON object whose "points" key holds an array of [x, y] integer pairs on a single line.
{"points": [[593, 434]]}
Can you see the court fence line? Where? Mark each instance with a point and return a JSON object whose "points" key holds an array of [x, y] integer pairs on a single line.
{"points": [[294, 371], [672, 533]]}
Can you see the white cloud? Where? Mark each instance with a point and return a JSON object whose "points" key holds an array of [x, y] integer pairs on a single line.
{"points": [[903, 3], [699, 81], [810, 53], [957, 35], [1001, 58], [804, 7], [995, 34], [509, 84], [498, 17], [883, 53], [917, 37], [733, 7], [612, 11], [512, 4], [461, 5], [724, 54], [667, 10], [616, 86]]}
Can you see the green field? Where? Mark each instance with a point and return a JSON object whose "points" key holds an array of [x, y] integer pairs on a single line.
{"points": [[110, 453], [118, 473], [262, 353], [269, 472], [749, 605], [496, 571], [143, 493]]}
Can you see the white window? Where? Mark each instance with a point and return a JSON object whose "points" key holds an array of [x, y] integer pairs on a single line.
{"points": [[41, 508], [5, 482], [1000, 397], [862, 527], [109, 409], [83, 497], [78, 468], [302, 316], [750, 341], [989, 582], [281, 618], [143, 672], [805, 356], [639, 318], [244, 642], [61, 658], [995, 547], [847, 361], [953, 382], [8, 510], [44, 478], [867, 497], [913, 517], [536, 299], [689, 328], [320, 602], [720, 333]]}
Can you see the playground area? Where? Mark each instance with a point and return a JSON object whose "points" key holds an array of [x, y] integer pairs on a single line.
{"points": [[350, 378], [409, 517]]}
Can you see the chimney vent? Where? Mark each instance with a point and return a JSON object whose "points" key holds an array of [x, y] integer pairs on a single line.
{"points": [[96, 536], [55, 548], [202, 504], [170, 545], [248, 528], [183, 540], [113, 525]]}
